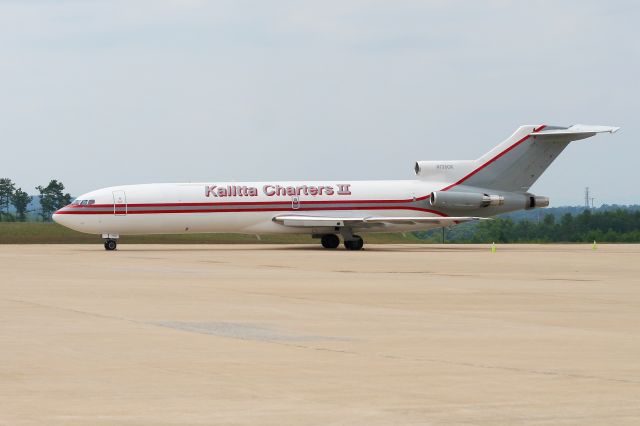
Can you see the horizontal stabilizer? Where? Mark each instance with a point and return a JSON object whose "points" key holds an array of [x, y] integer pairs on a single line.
{"points": [[577, 129], [302, 221]]}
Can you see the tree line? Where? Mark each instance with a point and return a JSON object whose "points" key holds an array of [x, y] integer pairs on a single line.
{"points": [[618, 226], [52, 197]]}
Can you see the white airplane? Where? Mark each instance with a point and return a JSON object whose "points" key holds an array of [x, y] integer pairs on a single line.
{"points": [[444, 193]]}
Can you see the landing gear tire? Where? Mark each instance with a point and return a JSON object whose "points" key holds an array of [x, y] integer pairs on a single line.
{"points": [[356, 244], [330, 241], [110, 245]]}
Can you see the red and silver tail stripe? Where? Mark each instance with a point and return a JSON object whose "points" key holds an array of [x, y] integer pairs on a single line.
{"points": [[493, 159]]}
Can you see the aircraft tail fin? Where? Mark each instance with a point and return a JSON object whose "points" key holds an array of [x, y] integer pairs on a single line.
{"points": [[515, 164]]}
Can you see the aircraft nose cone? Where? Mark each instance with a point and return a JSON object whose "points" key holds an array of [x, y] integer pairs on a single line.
{"points": [[60, 218]]}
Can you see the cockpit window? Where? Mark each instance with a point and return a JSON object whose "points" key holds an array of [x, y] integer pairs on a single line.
{"points": [[83, 202]]}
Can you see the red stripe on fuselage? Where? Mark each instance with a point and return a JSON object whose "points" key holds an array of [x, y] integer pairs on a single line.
{"points": [[250, 203], [275, 209]]}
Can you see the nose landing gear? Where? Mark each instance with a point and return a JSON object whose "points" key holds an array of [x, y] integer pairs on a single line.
{"points": [[110, 245], [110, 241]]}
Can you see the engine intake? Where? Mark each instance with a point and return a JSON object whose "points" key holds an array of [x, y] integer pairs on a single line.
{"points": [[464, 200]]}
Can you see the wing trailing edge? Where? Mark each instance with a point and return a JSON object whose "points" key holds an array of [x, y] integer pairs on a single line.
{"points": [[302, 221]]}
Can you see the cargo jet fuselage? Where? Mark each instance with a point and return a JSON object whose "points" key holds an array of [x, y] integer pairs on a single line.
{"points": [[444, 193]]}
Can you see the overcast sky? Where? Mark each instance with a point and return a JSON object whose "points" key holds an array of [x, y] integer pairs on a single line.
{"points": [[101, 93]]}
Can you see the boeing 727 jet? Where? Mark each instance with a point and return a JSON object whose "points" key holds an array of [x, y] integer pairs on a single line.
{"points": [[444, 193]]}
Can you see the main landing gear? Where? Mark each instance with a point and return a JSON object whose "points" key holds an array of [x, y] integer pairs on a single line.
{"points": [[352, 242], [355, 244], [330, 241]]}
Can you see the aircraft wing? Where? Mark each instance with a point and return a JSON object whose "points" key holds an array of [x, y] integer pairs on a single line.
{"points": [[302, 221]]}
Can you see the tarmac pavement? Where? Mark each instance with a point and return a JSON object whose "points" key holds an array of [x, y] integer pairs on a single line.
{"points": [[299, 335]]}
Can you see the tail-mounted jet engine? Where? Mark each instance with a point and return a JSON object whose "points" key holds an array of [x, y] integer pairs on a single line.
{"points": [[464, 200], [475, 200], [536, 201]]}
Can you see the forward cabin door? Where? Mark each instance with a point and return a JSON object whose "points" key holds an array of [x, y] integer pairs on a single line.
{"points": [[119, 203], [295, 202]]}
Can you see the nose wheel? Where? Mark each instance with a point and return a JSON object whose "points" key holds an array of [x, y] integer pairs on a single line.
{"points": [[110, 245]]}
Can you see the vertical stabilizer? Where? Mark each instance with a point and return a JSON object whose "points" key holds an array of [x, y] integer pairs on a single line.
{"points": [[515, 164]]}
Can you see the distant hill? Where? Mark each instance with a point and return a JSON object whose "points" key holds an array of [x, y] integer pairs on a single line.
{"points": [[33, 208]]}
